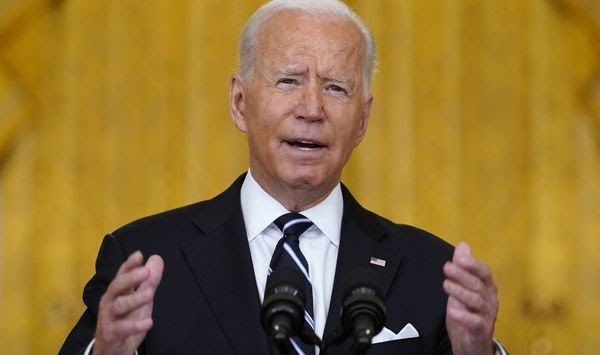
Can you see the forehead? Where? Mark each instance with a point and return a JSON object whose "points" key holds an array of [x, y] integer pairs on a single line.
{"points": [[327, 40]]}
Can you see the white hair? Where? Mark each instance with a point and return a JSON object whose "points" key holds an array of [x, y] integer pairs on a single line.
{"points": [[336, 8]]}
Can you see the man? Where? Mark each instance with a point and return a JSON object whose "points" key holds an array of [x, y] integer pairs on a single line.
{"points": [[302, 97]]}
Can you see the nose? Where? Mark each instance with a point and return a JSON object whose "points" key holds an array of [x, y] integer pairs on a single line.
{"points": [[310, 106]]}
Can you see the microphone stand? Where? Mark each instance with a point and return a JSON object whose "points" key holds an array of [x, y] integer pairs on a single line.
{"points": [[359, 346], [284, 346], [281, 339]]}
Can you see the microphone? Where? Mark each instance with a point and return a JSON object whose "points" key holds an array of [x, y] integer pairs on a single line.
{"points": [[282, 313], [363, 311]]}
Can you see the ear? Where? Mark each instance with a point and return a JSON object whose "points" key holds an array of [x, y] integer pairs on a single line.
{"points": [[237, 102], [364, 120]]}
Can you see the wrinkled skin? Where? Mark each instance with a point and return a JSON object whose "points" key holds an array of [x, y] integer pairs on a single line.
{"points": [[304, 109]]}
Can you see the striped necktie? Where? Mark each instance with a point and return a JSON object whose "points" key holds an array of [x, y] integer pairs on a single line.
{"points": [[287, 254]]}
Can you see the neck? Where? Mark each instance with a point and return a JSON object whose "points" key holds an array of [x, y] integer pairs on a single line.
{"points": [[294, 199]]}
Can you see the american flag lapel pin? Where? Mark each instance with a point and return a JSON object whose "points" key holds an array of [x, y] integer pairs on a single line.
{"points": [[377, 261]]}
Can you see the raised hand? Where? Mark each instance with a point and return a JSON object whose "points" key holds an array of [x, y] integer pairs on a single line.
{"points": [[125, 310], [472, 303]]}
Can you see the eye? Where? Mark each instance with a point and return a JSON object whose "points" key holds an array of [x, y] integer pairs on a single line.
{"points": [[336, 88], [287, 81]]}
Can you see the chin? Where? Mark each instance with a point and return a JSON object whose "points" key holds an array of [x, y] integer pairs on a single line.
{"points": [[306, 180]]}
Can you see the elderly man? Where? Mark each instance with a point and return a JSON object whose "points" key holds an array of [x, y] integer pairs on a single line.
{"points": [[302, 97]]}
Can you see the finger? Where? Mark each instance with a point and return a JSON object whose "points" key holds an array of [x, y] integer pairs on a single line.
{"points": [[155, 266], [126, 282], [126, 304], [454, 303], [126, 327], [463, 258], [477, 268], [473, 322], [134, 260], [471, 300], [462, 250], [463, 277]]}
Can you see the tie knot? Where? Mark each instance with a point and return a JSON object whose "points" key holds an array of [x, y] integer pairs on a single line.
{"points": [[293, 224]]}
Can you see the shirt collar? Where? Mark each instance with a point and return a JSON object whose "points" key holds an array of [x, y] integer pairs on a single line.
{"points": [[260, 210]]}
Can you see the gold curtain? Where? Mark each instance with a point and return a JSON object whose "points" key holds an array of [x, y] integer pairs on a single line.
{"points": [[486, 128]]}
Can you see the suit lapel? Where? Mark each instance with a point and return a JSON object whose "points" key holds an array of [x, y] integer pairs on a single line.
{"points": [[362, 236], [221, 262]]}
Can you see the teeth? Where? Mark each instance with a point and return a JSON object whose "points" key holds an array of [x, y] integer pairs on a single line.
{"points": [[304, 145]]}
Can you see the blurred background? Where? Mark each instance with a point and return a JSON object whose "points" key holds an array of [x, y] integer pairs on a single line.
{"points": [[485, 128]]}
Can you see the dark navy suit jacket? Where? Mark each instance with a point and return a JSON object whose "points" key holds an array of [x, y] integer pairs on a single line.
{"points": [[208, 303]]}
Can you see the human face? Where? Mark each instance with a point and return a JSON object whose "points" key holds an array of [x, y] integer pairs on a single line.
{"points": [[304, 110]]}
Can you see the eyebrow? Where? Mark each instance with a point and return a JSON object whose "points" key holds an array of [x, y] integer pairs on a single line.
{"points": [[334, 78], [289, 71], [340, 79]]}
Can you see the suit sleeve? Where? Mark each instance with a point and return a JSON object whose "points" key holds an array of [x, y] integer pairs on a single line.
{"points": [[110, 257]]}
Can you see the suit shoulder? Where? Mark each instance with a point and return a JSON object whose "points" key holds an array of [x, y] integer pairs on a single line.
{"points": [[159, 231], [162, 219], [209, 212], [403, 236], [417, 238]]}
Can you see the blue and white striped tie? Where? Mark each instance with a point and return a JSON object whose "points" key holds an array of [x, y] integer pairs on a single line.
{"points": [[287, 254]]}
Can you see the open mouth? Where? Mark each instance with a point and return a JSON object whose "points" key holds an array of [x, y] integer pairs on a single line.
{"points": [[304, 144]]}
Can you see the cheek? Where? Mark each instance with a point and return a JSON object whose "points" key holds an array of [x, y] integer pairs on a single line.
{"points": [[266, 116], [348, 136]]}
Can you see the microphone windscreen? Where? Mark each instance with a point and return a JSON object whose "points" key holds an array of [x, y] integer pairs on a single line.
{"points": [[362, 277]]}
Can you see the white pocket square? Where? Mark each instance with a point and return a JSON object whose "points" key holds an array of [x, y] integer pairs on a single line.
{"points": [[387, 335]]}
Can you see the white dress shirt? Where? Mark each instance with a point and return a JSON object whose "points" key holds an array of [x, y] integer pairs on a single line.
{"points": [[319, 244]]}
